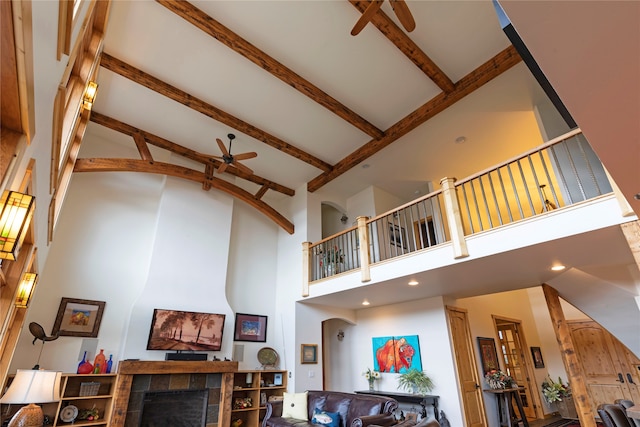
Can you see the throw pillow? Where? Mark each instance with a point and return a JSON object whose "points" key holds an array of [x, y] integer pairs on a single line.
{"points": [[329, 419], [294, 405]]}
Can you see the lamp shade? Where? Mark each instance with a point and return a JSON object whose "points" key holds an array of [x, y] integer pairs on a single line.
{"points": [[16, 210], [32, 386]]}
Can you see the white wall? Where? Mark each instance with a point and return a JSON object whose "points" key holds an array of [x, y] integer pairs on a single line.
{"points": [[348, 359], [139, 242]]}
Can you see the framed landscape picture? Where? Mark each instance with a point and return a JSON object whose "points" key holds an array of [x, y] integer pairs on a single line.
{"points": [[250, 327], [78, 318]]}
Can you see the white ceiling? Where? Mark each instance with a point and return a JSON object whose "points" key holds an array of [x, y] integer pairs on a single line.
{"points": [[366, 73]]}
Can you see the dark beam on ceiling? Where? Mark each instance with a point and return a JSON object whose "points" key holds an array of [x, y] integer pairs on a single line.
{"points": [[138, 76], [411, 50], [157, 141], [233, 41], [469, 83]]}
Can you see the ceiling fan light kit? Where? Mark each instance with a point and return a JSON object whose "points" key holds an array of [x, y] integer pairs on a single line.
{"points": [[229, 159]]}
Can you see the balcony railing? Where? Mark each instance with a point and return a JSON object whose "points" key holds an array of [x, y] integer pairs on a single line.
{"points": [[560, 173]]}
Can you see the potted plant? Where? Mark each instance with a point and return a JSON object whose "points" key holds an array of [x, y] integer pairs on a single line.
{"points": [[559, 393], [415, 381]]}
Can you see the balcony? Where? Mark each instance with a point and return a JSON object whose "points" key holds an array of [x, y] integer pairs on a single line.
{"points": [[550, 178]]}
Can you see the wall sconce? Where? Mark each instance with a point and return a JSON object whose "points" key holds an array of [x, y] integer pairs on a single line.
{"points": [[90, 95], [344, 218], [32, 386], [340, 334], [25, 289], [15, 217]]}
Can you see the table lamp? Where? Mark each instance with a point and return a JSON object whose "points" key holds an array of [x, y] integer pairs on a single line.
{"points": [[32, 386]]}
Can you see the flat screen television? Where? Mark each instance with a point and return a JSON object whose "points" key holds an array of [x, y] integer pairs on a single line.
{"points": [[185, 331]]}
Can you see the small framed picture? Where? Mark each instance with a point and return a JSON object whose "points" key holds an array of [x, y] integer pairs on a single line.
{"points": [[309, 353], [488, 354], [78, 318], [250, 327], [277, 379], [537, 357]]}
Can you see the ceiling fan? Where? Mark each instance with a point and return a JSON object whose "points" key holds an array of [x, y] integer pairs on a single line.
{"points": [[229, 159], [399, 7]]}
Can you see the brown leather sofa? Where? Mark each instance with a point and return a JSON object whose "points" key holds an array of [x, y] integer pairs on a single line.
{"points": [[356, 410]]}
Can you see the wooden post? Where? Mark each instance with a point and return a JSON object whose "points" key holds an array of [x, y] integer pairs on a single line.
{"points": [[569, 358], [452, 209], [363, 239], [306, 262]]}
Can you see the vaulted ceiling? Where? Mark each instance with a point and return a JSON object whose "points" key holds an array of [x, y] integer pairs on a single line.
{"points": [[323, 110]]}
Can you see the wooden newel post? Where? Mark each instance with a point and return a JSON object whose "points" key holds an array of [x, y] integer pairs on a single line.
{"points": [[306, 262], [576, 378], [363, 239], [454, 219]]}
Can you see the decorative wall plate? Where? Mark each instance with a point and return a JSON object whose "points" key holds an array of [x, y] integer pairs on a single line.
{"points": [[268, 357], [69, 413]]}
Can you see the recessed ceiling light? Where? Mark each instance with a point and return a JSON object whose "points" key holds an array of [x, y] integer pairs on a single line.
{"points": [[413, 283], [461, 140], [366, 302], [366, 166], [637, 196], [558, 267]]}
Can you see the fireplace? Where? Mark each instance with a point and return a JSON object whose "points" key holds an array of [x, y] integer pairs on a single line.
{"points": [[136, 378], [175, 408]]}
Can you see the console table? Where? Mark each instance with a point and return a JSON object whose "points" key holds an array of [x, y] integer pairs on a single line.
{"points": [[506, 412], [422, 400]]}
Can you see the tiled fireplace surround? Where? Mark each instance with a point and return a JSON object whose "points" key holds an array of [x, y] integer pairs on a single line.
{"points": [[136, 377]]}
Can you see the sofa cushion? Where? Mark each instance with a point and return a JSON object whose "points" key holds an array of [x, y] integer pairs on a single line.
{"points": [[329, 419], [294, 405]]}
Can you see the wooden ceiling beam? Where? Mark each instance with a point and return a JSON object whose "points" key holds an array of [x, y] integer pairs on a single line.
{"points": [[204, 22], [134, 165], [143, 148], [157, 141], [469, 83], [140, 77], [411, 50]]}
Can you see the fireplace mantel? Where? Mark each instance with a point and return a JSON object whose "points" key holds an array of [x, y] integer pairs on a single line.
{"points": [[128, 368]]}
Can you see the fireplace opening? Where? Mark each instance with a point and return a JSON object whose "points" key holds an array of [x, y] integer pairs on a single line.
{"points": [[174, 408]]}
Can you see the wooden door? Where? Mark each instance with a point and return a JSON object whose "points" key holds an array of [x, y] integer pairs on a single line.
{"points": [[515, 362], [465, 359], [609, 368]]}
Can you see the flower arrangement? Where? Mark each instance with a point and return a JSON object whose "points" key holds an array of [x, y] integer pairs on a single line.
{"points": [[499, 380], [371, 376], [555, 391]]}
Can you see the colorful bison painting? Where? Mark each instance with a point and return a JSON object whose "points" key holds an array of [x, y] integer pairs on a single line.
{"points": [[396, 354]]}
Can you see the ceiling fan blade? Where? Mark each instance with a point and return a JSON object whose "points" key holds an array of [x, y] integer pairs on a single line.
{"points": [[404, 14], [222, 167], [243, 168], [219, 158], [245, 156], [222, 147], [367, 15]]}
